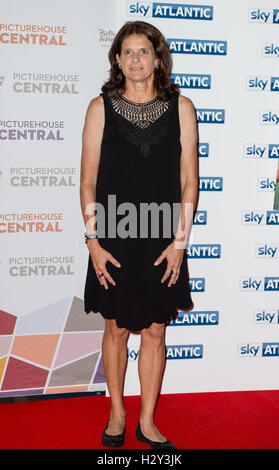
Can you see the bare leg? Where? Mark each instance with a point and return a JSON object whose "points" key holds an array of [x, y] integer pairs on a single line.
{"points": [[114, 351], [151, 363]]}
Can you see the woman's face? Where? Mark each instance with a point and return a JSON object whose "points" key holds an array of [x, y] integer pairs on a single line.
{"points": [[137, 58]]}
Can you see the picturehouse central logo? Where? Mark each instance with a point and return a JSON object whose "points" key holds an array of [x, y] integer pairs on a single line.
{"points": [[33, 35], [31, 130], [45, 83], [31, 222], [43, 177], [42, 266]]}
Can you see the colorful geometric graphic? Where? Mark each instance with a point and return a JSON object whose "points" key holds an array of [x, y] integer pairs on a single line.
{"points": [[7, 323], [55, 349]]}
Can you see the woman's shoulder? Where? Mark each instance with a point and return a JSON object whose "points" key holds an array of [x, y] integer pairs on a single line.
{"points": [[185, 103], [96, 104], [96, 110], [187, 111], [96, 100]]}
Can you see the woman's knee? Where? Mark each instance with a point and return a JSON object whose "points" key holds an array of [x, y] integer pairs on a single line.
{"points": [[155, 333], [117, 334]]}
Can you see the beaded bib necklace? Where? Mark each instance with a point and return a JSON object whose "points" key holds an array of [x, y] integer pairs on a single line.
{"points": [[141, 114]]}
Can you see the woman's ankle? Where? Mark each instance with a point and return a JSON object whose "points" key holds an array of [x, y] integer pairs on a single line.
{"points": [[118, 414]]}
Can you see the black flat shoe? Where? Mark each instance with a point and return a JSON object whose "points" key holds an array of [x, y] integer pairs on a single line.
{"points": [[113, 441], [154, 444]]}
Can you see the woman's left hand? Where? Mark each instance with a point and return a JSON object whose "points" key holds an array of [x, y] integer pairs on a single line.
{"points": [[174, 258]]}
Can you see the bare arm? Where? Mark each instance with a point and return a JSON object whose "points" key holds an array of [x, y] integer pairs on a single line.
{"points": [[188, 164], [91, 151], [189, 190]]}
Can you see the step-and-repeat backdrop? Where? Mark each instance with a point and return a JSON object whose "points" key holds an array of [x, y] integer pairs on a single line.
{"points": [[53, 61]]}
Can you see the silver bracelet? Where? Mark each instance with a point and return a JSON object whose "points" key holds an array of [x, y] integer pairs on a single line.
{"points": [[90, 236]]}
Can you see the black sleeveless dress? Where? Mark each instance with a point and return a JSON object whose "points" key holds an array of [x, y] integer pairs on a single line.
{"points": [[139, 163]]}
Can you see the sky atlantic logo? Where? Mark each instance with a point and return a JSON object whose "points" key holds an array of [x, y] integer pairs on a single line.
{"points": [[266, 183], [203, 150], [200, 218], [30, 34], [254, 217], [267, 251], [184, 351], [197, 284], [266, 316], [210, 116], [270, 50], [211, 183], [260, 150], [269, 117], [195, 81], [262, 83], [263, 15], [170, 10], [197, 46], [203, 251], [196, 318], [254, 350], [249, 349], [176, 351], [259, 284]]}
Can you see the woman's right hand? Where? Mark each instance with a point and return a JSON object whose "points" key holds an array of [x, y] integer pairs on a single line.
{"points": [[99, 258]]}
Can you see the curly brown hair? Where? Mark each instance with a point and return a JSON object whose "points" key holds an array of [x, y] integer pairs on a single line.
{"points": [[162, 82]]}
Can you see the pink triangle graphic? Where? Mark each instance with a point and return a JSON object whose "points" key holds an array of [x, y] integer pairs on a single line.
{"points": [[76, 345]]}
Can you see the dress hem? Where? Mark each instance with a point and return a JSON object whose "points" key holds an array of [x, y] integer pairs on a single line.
{"points": [[146, 325]]}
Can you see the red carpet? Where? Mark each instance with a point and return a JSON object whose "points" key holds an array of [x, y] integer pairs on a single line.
{"points": [[224, 420]]}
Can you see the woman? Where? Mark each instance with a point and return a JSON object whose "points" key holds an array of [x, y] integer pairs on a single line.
{"points": [[140, 146]]}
